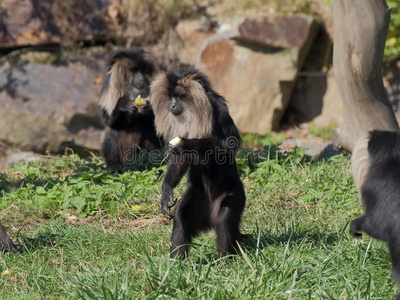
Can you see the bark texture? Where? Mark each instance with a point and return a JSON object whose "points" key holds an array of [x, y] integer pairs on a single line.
{"points": [[360, 31]]}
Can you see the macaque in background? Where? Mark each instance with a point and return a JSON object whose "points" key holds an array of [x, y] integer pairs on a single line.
{"points": [[126, 110]]}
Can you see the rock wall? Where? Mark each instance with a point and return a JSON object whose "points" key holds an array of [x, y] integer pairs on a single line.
{"points": [[27, 22], [48, 107], [252, 62], [274, 70]]}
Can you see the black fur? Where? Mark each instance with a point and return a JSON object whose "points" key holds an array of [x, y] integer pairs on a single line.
{"points": [[213, 177], [380, 193], [131, 127], [6, 241]]}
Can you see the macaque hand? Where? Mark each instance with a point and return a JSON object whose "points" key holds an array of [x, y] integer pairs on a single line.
{"points": [[167, 202]]}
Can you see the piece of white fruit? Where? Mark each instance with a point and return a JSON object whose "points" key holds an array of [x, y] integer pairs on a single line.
{"points": [[138, 101], [175, 141]]}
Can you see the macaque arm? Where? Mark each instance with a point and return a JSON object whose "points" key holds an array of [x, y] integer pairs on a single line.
{"points": [[124, 105], [111, 120], [175, 171]]}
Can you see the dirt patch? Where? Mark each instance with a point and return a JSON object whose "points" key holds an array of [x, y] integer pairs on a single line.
{"points": [[117, 224]]}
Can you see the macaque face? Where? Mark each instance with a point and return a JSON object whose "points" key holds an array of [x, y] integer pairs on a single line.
{"points": [[182, 102], [181, 107], [128, 82], [140, 82]]}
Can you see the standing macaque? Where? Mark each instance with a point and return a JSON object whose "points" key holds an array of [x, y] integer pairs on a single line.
{"points": [[376, 171], [126, 110], [204, 140]]}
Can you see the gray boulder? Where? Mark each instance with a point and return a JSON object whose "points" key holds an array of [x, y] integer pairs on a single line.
{"points": [[26, 22], [30, 132], [57, 92], [48, 107]]}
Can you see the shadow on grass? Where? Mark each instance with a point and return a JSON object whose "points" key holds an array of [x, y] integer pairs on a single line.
{"points": [[141, 161], [25, 244], [249, 160], [98, 173], [251, 243], [46, 239], [7, 185]]}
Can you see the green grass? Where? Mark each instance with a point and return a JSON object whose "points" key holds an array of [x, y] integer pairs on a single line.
{"points": [[258, 141], [82, 240]]}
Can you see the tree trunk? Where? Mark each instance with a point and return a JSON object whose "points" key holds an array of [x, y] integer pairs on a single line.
{"points": [[360, 31], [8, 244]]}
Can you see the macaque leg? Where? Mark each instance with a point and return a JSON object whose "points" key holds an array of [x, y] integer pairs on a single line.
{"points": [[191, 217], [227, 225], [356, 226]]}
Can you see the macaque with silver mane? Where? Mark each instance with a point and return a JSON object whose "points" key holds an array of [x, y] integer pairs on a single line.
{"points": [[203, 141], [125, 107]]}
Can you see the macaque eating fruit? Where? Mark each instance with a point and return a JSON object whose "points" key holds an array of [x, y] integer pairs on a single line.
{"points": [[126, 109]]}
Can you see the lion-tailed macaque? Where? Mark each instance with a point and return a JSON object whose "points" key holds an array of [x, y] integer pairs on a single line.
{"points": [[203, 140], [376, 171], [126, 110]]}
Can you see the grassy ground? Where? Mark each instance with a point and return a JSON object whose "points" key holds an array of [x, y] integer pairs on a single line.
{"points": [[90, 234]]}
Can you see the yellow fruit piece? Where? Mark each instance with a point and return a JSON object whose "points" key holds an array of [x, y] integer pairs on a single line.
{"points": [[139, 101], [6, 273], [175, 141], [138, 207]]}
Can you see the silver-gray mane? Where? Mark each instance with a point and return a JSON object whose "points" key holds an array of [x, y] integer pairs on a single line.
{"points": [[196, 121]]}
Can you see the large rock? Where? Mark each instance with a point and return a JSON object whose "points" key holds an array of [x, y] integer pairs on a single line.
{"points": [[5, 152], [276, 31], [191, 36], [332, 106], [57, 92], [27, 22], [19, 157], [27, 131], [89, 139], [128, 22], [48, 107], [256, 85], [315, 96], [254, 63], [316, 99]]}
